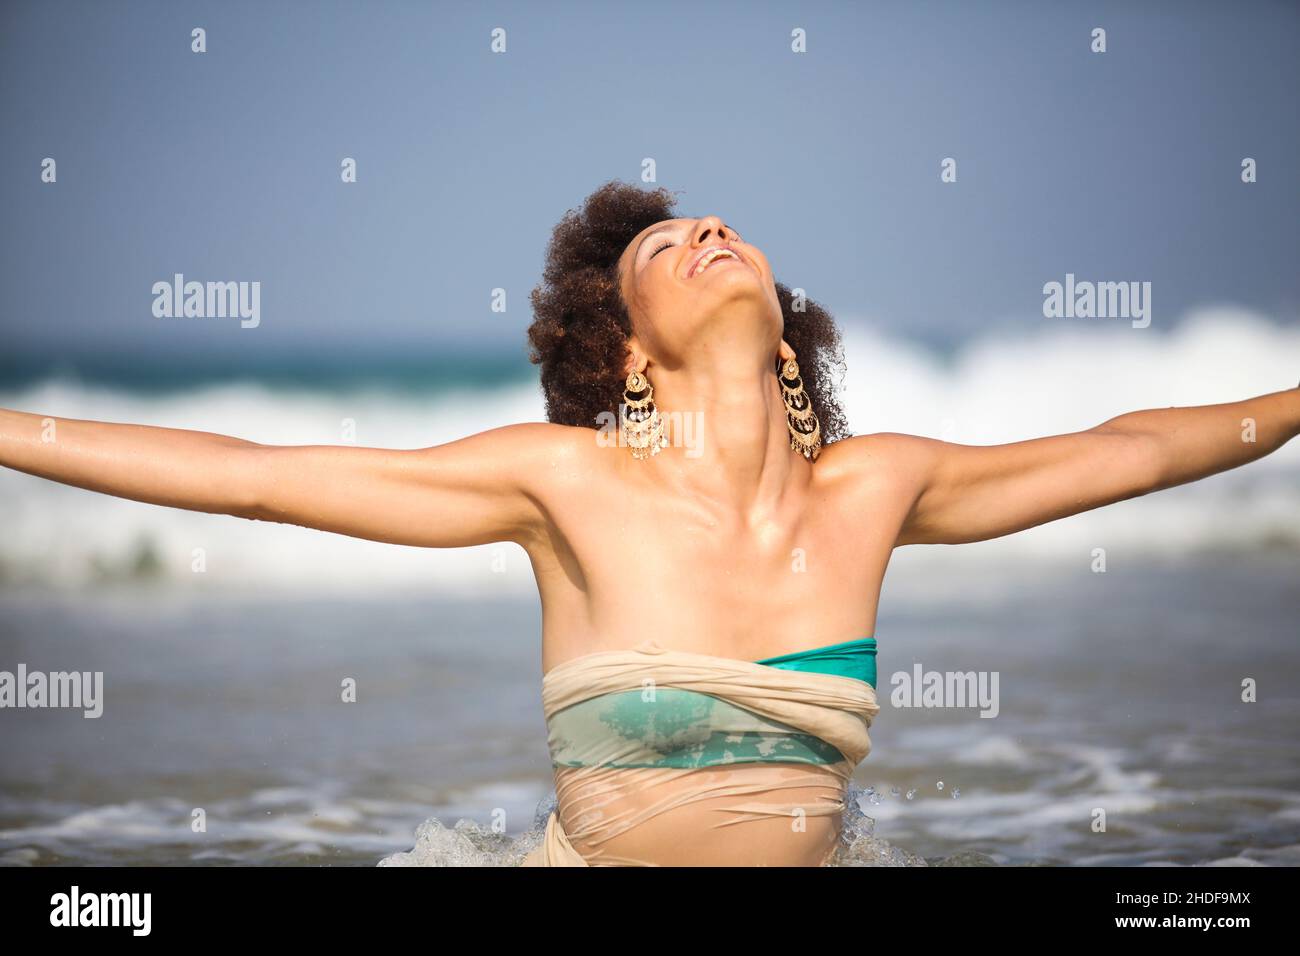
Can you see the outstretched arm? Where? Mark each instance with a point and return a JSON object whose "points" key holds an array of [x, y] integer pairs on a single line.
{"points": [[475, 490], [968, 493]]}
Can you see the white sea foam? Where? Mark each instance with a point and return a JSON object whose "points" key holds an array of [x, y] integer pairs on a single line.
{"points": [[1065, 377]]}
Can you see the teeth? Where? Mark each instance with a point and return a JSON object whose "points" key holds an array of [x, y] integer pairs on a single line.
{"points": [[711, 255]]}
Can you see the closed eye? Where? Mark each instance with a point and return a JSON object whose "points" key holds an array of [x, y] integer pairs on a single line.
{"points": [[660, 249]]}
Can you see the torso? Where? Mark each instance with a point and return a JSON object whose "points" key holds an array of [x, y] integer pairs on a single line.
{"points": [[625, 562]]}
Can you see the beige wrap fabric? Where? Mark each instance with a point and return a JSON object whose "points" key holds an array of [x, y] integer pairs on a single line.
{"points": [[609, 815]]}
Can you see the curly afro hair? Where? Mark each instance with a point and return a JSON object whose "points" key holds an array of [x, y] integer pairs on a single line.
{"points": [[581, 324]]}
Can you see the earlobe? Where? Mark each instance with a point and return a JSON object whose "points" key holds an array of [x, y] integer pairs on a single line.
{"points": [[636, 359], [785, 353]]}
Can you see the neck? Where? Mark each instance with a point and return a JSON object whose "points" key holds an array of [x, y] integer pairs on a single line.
{"points": [[727, 433]]}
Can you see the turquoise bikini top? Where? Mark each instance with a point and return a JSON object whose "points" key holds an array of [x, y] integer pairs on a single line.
{"points": [[850, 659], [682, 728]]}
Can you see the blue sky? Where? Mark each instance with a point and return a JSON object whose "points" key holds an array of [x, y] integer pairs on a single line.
{"points": [[225, 165]]}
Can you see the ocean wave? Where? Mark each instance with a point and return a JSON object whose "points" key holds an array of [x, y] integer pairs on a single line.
{"points": [[1061, 378]]}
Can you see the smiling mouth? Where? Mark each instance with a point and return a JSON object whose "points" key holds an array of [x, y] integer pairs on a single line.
{"points": [[709, 258]]}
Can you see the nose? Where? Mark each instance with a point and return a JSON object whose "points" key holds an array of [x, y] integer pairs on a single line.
{"points": [[712, 229]]}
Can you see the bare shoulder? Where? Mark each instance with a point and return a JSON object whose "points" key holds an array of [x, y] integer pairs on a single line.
{"points": [[556, 468], [545, 453], [560, 442], [538, 437], [874, 481], [885, 456]]}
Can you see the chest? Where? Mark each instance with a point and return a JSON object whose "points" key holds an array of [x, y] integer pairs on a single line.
{"points": [[696, 577]]}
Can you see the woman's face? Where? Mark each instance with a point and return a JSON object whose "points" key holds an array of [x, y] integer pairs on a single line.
{"points": [[683, 278]]}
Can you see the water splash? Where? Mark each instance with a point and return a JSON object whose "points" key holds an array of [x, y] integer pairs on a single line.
{"points": [[470, 844], [465, 844], [859, 845]]}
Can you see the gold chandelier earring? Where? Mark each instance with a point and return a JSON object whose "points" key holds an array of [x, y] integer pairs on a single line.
{"points": [[642, 428], [805, 429]]}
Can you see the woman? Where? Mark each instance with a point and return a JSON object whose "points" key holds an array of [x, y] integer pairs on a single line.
{"points": [[709, 562]]}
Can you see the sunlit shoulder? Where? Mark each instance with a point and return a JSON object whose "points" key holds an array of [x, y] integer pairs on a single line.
{"points": [[881, 454]]}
